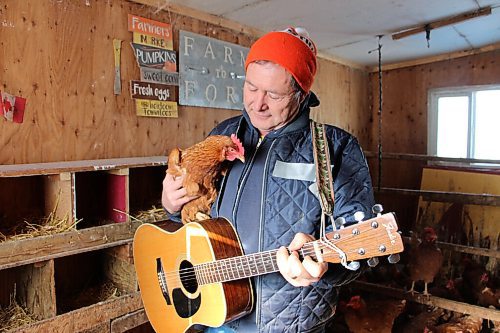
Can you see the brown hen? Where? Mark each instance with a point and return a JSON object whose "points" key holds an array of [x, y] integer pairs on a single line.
{"points": [[463, 324], [202, 165], [370, 314], [425, 260]]}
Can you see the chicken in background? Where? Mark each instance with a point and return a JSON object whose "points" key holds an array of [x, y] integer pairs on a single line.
{"points": [[489, 298], [458, 324], [474, 279], [417, 318], [370, 314], [203, 164], [425, 259], [448, 291]]}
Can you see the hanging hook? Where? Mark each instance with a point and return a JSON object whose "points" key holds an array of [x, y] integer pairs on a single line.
{"points": [[428, 29]]}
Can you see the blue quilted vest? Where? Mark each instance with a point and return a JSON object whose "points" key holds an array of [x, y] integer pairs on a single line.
{"points": [[282, 202]]}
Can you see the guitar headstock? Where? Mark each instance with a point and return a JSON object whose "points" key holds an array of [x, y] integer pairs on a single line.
{"points": [[366, 239]]}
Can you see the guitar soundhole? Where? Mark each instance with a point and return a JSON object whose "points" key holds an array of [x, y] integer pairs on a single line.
{"points": [[188, 277]]}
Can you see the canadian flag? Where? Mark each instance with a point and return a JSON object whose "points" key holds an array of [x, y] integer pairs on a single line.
{"points": [[12, 107]]}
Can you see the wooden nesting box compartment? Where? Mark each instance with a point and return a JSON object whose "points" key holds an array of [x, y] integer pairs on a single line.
{"points": [[145, 188], [82, 279], [92, 277], [101, 197], [31, 199], [30, 287]]}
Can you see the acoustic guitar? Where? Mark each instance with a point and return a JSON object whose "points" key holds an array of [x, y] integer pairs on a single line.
{"points": [[199, 274]]}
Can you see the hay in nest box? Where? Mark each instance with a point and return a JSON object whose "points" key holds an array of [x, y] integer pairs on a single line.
{"points": [[14, 316], [40, 227], [152, 215], [147, 216], [91, 295]]}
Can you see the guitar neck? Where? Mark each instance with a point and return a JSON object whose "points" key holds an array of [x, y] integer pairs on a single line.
{"points": [[245, 266], [372, 238]]}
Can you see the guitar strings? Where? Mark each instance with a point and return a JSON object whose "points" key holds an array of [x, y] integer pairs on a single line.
{"points": [[307, 249], [189, 274]]}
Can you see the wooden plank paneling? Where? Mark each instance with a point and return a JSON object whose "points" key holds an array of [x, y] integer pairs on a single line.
{"points": [[405, 92], [405, 109], [342, 92], [129, 321], [87, 318], [59, 55], [21, 252], [50, 168]]}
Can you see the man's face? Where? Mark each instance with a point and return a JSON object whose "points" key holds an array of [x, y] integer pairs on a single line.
{"points": [[268, 96]]}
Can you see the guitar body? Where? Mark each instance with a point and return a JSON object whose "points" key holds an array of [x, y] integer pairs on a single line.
{"points": [[179, 301]]}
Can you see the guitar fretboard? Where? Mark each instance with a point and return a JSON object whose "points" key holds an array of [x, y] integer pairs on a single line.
{"points": [[241, 267]]}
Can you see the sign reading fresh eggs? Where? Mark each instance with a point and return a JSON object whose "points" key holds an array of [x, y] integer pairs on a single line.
{"points": [[153, 91], [211, 72]]}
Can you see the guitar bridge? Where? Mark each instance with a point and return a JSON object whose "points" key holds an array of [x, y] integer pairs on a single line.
{"points": [[162, 281]]}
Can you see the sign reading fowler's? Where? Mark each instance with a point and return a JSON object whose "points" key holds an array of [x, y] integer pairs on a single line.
{"points": [[149, 108], [152, 91], [159, 76], [153, 57]]}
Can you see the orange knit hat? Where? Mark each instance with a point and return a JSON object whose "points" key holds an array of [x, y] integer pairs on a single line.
{"points": [[292, 49]]}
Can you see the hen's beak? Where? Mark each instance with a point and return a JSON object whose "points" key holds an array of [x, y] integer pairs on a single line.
{"points": [[241, 158]]}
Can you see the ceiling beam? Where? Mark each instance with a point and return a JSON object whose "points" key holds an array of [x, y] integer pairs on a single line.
{"points": [[165, 5], [436, 58], [443, 23]]}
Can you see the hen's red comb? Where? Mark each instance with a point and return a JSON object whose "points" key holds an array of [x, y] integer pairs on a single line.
{"points": [[238, 144]]}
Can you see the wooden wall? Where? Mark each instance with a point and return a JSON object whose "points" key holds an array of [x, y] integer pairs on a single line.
{"points": [[404, 120], [404, 109], [59, 55], [343, 92]]}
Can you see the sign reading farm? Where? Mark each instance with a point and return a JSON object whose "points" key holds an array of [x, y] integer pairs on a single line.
{"points": [[211, 72]]}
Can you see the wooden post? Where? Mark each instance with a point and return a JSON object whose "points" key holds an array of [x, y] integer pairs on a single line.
{"points": [[59, 196]]}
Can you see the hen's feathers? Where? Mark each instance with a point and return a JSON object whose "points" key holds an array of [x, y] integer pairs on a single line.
{"points": [[203, 164]]}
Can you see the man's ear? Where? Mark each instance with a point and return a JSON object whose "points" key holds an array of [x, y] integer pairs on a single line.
{"points": [[303, 97]]}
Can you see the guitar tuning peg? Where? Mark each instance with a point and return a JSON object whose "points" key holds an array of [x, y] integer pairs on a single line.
{"points": [[353, 266], [359, 216], [377, 209], [372, 262], [393, 258], [339, 222]]}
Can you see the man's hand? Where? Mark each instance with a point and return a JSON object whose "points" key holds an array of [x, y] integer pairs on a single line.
{"points": [[174, 196], [299, 274]]}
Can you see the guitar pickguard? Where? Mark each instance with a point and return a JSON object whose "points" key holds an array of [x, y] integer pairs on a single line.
{"points": [[184, 306]]}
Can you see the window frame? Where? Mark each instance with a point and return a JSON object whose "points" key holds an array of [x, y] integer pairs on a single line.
{"points": [[432, 114]]}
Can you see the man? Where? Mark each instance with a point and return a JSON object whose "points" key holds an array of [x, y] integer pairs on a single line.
{"points": [[271, 199]]}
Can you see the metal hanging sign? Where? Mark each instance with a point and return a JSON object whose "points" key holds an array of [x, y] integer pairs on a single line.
{"points": [[211, 72]]}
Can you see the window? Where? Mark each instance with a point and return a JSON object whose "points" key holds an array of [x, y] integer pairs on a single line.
{"points": [[465, 122]]}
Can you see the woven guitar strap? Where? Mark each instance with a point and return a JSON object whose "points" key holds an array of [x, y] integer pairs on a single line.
{"points": [[323, 173], [326, 195]]}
